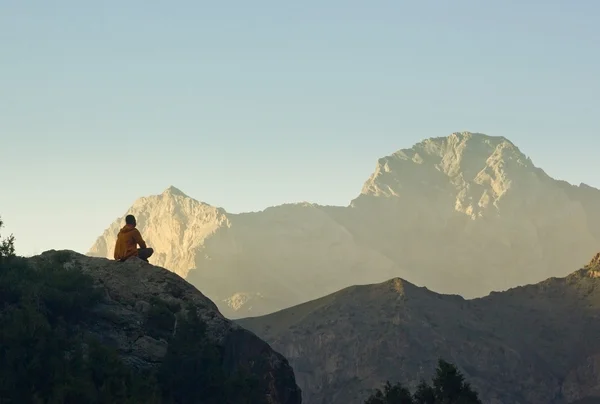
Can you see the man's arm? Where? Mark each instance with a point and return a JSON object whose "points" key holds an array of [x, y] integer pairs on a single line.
{"points": [[139, 239]]}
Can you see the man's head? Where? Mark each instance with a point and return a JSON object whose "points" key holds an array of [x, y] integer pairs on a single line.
{"points": [[130, 219]]}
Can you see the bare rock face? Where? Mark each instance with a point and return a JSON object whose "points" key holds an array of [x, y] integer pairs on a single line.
{"points": [[129, 289], [528, 345], [465, 214]]}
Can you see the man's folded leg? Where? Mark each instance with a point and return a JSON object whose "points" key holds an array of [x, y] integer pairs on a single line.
{"points": [[145, 253]]}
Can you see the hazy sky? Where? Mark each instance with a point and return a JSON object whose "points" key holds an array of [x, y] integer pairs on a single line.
{"points": [[247, 104]]}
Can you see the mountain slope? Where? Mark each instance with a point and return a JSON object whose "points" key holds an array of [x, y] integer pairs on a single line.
{"points": [[464, 214], [531, 344]]}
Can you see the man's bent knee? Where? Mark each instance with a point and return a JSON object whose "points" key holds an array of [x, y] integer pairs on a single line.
{"points": [[145, 253]]}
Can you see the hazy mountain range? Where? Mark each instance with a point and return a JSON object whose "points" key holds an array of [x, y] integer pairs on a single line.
{"points": [[464, 214], [531, 344]]}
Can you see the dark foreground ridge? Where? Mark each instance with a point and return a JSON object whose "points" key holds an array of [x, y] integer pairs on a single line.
{"points": [[142, 309]]}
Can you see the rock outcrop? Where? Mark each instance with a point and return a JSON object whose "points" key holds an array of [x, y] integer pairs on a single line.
{"points": [[132, 286], [528, 345], [465, 214]]}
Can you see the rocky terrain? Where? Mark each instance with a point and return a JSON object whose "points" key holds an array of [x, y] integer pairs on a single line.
{"points": [[527, 345], [131, 288], [465, 214]]}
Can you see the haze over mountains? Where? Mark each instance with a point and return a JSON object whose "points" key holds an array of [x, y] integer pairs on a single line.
{"points": [[528, 345], [464, 214]]}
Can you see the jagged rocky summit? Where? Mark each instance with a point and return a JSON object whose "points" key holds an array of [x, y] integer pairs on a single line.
{"points": [[528, 345], [131, 287], [464, 214]]}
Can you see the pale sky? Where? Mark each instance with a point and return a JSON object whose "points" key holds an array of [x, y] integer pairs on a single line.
{"points": [[248, 104]]}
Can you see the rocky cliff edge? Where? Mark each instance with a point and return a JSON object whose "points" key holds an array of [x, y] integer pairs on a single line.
{"points": [[129, 289]]}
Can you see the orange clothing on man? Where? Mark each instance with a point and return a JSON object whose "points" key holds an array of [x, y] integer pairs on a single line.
{"points": [[127, 241]]}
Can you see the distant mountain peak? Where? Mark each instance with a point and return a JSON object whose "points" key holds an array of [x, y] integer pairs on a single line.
{"points": [[172, 190], [477, 136], [173, 223], [464, 145], [468, 136], [474, 170], [397, 285], [594, 264], [398, 288], [469, 142]]}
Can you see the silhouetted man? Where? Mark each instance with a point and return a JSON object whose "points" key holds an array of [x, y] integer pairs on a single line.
{"points": [[127, 241]]}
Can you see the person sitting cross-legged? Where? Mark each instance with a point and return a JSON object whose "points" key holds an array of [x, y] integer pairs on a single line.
{"points": [[127, 241]]}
